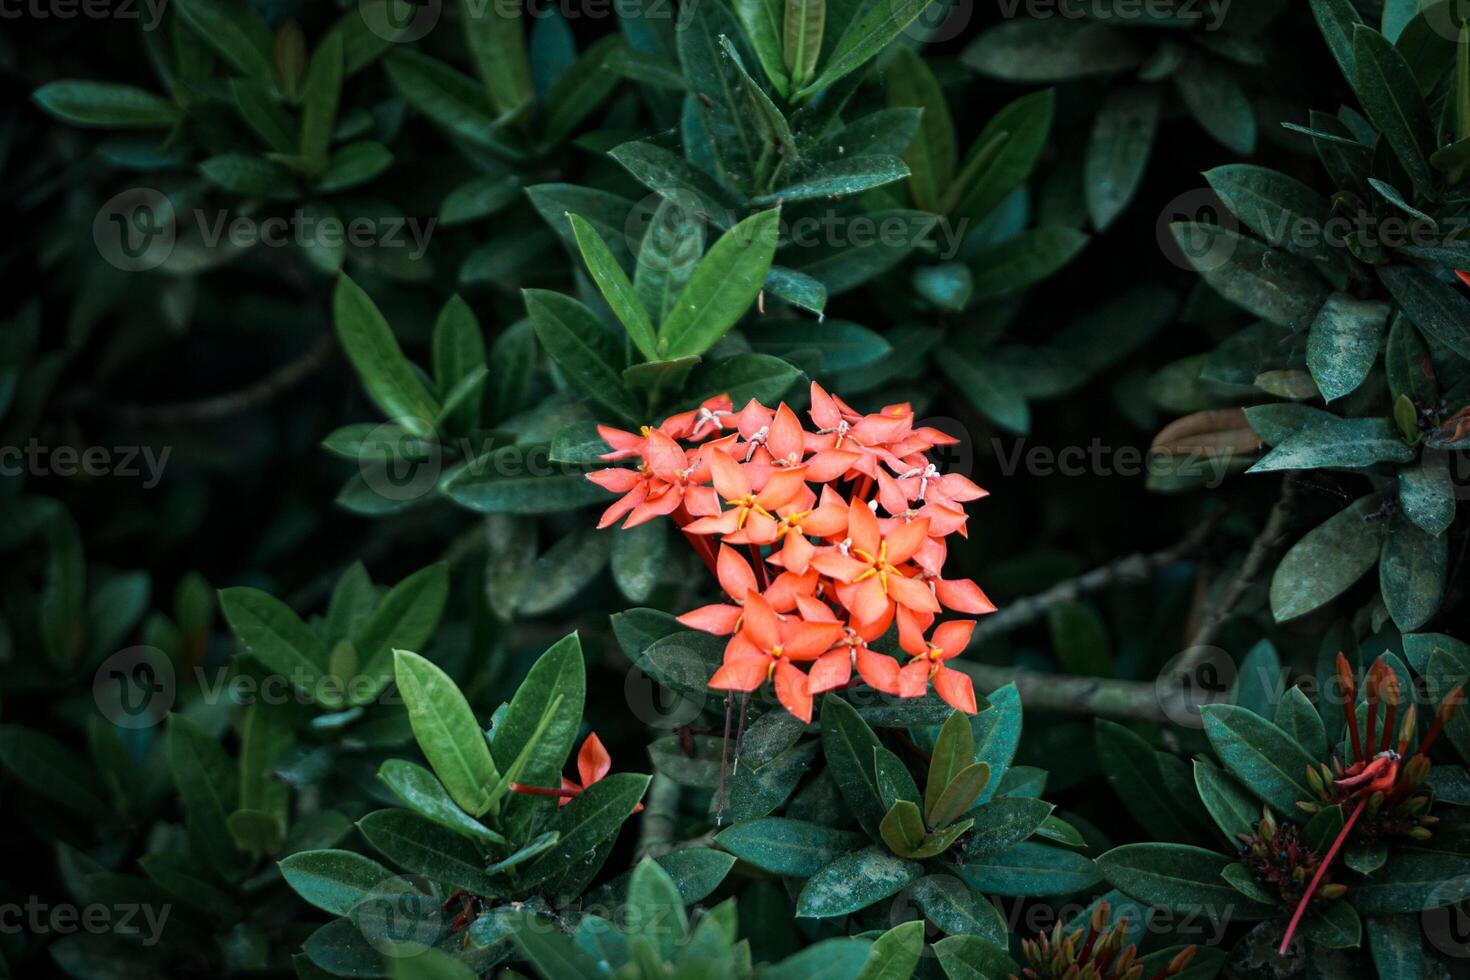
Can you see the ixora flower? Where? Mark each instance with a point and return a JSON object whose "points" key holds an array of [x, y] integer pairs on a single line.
{"points": [[1100, 951], [1378, 777], [844, 525], [1337, 841], [593, 765]]}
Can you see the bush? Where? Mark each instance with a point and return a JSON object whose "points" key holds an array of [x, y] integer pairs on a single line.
{"points": [[596, 491]]}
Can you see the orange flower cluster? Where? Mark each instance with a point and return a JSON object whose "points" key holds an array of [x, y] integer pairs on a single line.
{"points": [[826, 575]]}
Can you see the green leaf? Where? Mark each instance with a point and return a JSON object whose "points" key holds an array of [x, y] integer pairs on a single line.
{"points": [[1326, 561], [997, 733], [801, 38], [354, 164], [446, 731], [1390, 95], [1334, 926], [1413, 881], [387, 375], [1001, 824], [973, 958], [1133, 770], [1053, 50], [1234, 810], [319, 101], [1118, 150], [1030, 870], [902, 828], [1396, 941], [334, 881], [1265, 759], [722, 286], [405, 619], [953, 907], [105, 105], [250, 176], [639, 556], [987, 389], [1296, 716], [895, 954], [448, 97], [1285, 212], [1218, 103], [205, 778], [552, 694], [1427, 493], [1337, 19], [763, 21], [425, 848], [587, 353], [583, 87], [953, 753], [1412, 573], [273, 634], [613, 283], [847, 177], [787, 847], [551, 951], [594, 815], [931, 154], [1180, 878], [654, 899], [1024, 260], [422, 792], [497, 41], [47, 767], [742, 377], [1001, 158], [671, 248], [458, 351], [830, 959], [1344, 343], [855, 881], [849, 744], [236, 32], [1244, 881], [1268, 283], [864, 36], [516, 480], [1351, 443], [1435, 307]]}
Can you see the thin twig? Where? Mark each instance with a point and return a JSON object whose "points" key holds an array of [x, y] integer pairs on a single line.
{"points": [[1251, 568], [235, 402], [1041, 691], [1127, 570]]}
